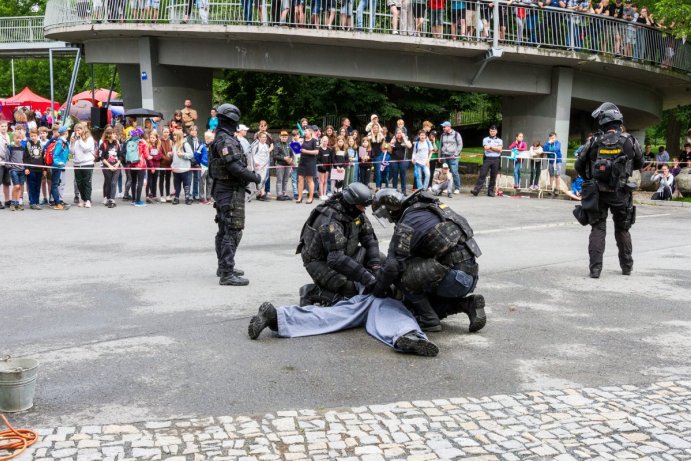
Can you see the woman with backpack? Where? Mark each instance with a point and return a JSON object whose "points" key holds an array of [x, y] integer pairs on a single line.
{"points": [[136, 155]]}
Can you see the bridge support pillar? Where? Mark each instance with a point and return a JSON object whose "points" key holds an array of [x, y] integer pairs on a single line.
{"points": [[536, 116], [164, 88]]}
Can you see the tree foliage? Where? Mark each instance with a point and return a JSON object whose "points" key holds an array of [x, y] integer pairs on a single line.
{"points": [[676, 15]]}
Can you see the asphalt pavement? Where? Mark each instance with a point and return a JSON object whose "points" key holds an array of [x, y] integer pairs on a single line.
{"points": [[123, 310]]}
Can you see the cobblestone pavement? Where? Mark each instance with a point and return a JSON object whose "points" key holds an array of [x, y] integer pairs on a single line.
{"points": [[614, 422]]}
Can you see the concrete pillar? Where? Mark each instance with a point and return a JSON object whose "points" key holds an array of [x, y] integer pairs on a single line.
{"points": [[164, 88], [536, 116], [639, 135], [129, 83]]}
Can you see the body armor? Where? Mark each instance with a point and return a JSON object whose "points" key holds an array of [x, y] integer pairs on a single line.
{"points": [[319, 234], [611, 167], [225, 149], [448, 245]]}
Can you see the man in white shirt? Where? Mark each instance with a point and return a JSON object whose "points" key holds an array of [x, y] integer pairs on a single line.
{"points": [[442, 181], [493, 146]]}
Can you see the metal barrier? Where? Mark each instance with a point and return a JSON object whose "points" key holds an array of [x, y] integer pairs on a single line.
{"points": [[529, 174], [22, 29], [517, 24]]}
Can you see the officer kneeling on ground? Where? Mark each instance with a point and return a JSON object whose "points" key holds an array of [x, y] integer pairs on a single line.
{"points": [[228, 169], [339, 248], [431, 259], [606, 163]]}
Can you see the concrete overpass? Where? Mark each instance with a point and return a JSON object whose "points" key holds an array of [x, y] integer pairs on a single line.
{"points": [[545, 87], [23, 37]]}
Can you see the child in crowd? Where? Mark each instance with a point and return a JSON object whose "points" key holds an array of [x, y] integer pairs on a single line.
{"points": [[60, 151], [153, 163], [295, 146], [365, 166], [166, 146], [422, 150], [261, 157], [33, 155], [576, 189], [536, 155], [136, 155], [340, 163], [352, 170], [17, 172], [109, 154], [203, 160], [45, 180], [518, 148], [4, 169], [324, 163]]}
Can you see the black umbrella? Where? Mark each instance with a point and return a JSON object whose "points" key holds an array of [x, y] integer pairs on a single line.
{"points": [[141, 112]]}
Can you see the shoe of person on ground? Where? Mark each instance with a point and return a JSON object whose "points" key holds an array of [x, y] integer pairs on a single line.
{"points": [[266, 317]]}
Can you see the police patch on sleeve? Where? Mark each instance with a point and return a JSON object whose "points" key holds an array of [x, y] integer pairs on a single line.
{"points": [[224, 151]]}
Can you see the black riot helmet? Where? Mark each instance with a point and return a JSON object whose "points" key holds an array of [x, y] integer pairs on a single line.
{"points": [[388, 204], [608, 114], [228, 111], [357, 194]]}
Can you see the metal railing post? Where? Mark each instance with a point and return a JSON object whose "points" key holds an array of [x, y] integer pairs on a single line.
{"points": [[495, 26]]}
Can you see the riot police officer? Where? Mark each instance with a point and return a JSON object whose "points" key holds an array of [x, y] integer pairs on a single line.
{"points": [[606, 163], [338, 247], [228, 169], [431, 259]]}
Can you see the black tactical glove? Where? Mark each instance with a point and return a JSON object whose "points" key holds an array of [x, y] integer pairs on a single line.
{"points": [[257, 179], [380, 290]]}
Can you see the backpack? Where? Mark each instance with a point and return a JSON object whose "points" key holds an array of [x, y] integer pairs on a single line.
{"points": [[132, 151], [50, 151]]}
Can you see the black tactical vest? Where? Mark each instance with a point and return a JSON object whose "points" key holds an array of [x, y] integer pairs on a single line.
{"points": [[224, 145], [311, 246], [610, 166]]}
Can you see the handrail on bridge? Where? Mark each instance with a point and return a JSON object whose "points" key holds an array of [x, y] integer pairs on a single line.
{"points": [[519, 23], [22, 29]]}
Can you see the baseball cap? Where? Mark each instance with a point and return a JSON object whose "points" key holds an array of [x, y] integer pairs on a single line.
{"points": [[445, 165], [447, 123], [242, 127], [62, 129], [374, 116]]}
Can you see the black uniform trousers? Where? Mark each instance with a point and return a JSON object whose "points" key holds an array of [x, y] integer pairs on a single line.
{"points": [[230, 217], [618, 203], [491, 165]]}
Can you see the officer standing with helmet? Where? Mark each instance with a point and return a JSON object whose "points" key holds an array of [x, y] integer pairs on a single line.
{"points": [[431, 259], [228, 169], [606, 163], [339, 248]]}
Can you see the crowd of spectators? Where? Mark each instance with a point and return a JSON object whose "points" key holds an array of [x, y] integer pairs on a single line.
{"points": [[168, 162], [607, 26]]}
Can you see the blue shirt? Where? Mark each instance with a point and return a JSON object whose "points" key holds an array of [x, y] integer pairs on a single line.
{"points": [[492, 142], [553, 151]]}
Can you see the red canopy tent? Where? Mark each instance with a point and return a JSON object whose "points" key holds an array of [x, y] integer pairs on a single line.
{"points": [[26, 97], [100, 95]]}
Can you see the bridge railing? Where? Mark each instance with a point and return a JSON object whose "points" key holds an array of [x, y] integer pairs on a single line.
{"points": [[519, 24], [23, 29]]}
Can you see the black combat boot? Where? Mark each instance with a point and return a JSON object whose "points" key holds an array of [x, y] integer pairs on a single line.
{"points": [[595, 272], [307, 293], [233, 280], [221, 272], [266, 317], [425, 315], [312, 294], [474, 307], [626, 270], [413, 344]]}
